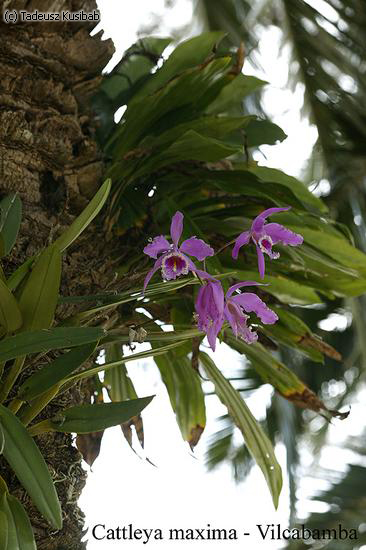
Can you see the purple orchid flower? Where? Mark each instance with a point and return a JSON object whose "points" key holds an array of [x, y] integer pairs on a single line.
{"points": [[264, 236], [212, 310], [174, 260]]}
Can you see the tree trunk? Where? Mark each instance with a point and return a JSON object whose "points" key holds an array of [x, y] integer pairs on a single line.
{"points": [[48, 154]]}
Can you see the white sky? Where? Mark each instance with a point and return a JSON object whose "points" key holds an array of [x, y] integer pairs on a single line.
{"points": [[179, 493]]}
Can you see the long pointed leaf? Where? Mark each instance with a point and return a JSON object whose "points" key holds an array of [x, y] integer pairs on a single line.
{"points": [[185, 393], [39, 297], [120, 388], [24, 457], [3, 529], [256, 440], [55, 371], [85, 218], [15, 529], [10, 316], [43, 340], [10, 218], [85, 419], [20, 526]]}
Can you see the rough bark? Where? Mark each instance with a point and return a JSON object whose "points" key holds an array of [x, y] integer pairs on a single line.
{"points": [[48, 154]]}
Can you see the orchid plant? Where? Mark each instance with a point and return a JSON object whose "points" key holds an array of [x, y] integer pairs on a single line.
{"points": [[212, 306]]}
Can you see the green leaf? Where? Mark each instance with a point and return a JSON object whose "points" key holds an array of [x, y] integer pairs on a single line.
{"points": [[85, 218], [24, 457], [67, 238], [280, 377], [2, 439], [234, 92], [336, 247], [10, 218], [44, 340], [242, 183], [120, 388], [17, 277], [293, 332], [3, 528], [2, 274], [167, 107], [131, 73], [39, 296], [94, 418], [20, 533], [296, 186], [178, 336], [185, 393], [187, 54], [119, 385], [268, 367], [190, 146], [10, 316], [208, 126], [260, 132], [15, 529], [55, 371], [284, 335], [256, 440], [112, 300]]}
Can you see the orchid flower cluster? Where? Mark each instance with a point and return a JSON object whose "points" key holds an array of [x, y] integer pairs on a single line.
{"points": [[214, 307]]}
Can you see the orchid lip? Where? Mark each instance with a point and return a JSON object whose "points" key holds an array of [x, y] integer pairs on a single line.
{"points": [[265, 243], [173, 265], [235, 310]]}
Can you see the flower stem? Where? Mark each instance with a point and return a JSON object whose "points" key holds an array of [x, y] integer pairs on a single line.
{"points": [[225, 246]]}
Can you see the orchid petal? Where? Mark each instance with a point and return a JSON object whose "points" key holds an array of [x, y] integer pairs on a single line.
{"points": [[251, 302], [280, 234], [244, 283], [258, 222], [176, 227], [218, 297], [238, 323], [210, 299], [213, 331], [211, 336], [261, 264], [155, 268], [210, 310], [240, 241], [247, 334], [197, 248], [158, 245], [231, 318]]}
